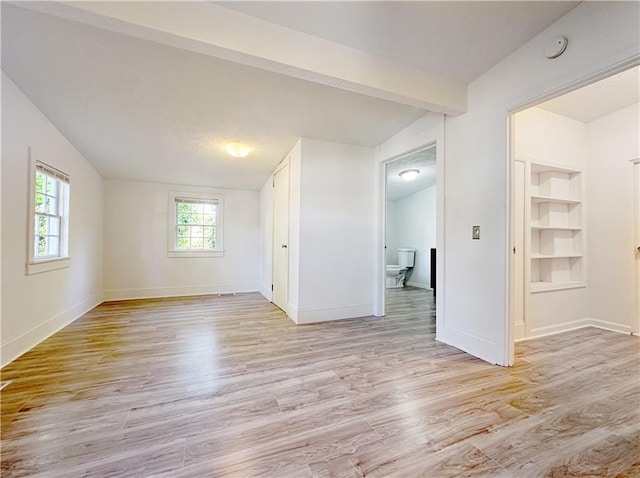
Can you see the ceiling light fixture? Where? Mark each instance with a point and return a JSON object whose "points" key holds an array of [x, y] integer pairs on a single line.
{"points": [[409, 174], [238, 150]]}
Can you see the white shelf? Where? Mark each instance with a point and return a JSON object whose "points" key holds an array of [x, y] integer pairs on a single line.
{"points": [[548, 168], [547, 286], [555, 228], [558, 200], [554, 256]]}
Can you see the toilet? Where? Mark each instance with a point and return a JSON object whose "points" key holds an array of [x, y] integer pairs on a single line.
{"points": [[396, 273]]}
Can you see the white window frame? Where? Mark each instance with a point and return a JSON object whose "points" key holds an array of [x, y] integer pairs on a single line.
{"points": [[173, 250], [37, 265]]}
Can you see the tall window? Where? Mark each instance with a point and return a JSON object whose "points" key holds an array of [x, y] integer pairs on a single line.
{"points": [[50, 216], [196, 225]]}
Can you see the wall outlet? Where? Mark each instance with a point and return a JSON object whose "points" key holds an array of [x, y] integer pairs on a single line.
{"points": [[475, 232]]}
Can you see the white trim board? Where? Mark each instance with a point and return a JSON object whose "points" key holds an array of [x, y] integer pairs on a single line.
{"points": [[574, 325], [312, 315], [29, 339], [160, 292]]}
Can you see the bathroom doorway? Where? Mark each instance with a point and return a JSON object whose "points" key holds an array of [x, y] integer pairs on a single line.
{"points": [[410, 227]]}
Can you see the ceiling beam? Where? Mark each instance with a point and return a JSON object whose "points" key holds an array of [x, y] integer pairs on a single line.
{"points": [[223, 33]]}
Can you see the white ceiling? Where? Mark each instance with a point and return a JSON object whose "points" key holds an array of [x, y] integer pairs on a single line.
{"points": [[424, 161], [454, 39], [598, 99], [142, 103], [140, 110]]}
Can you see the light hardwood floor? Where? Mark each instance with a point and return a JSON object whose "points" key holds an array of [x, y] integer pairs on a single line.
{"points": [[228, 386]]}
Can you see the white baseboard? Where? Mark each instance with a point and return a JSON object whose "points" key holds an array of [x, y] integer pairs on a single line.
{"points": [[603, 324], [157, 292], [574, 325], [472, 344], [26, 341], [311, 315], [420, 285]]}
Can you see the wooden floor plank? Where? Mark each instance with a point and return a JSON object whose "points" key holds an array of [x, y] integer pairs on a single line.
{"points": [[229, 386]]}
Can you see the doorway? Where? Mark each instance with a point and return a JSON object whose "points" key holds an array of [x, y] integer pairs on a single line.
{"points": [[572, 200], [410, 225]]}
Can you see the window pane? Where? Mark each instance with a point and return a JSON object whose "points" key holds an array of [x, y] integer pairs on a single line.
{"points": [[210, 243], [196, 208], [183, 231], [39, 202], [42, 225], [208, 231], [54, 226], [209, 220], [40, 182], [53, 246], [196, 243], [41, 246], [184, 207], [184, 218], [196, 219], [52, 186], [196, 231], [51, 205], [183, 243]]}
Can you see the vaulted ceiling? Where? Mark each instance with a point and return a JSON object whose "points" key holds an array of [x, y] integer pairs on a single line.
{"points": [[153, 91]]}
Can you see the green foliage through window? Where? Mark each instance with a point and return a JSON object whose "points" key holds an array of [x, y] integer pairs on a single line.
{"points": [[47, 216], [195, 225]]}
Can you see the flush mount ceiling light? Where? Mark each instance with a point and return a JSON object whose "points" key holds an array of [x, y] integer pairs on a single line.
{"points": [[409, 174], [238, 150]]}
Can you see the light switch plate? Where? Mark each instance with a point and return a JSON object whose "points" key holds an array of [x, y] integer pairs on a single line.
{"points": [[475, 232]]}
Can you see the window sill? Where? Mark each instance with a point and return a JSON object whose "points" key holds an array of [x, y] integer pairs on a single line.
{"points": [[195, 254], [48, 265]]}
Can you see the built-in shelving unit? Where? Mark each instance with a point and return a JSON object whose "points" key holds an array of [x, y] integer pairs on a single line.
{"points": [[556, 228]]}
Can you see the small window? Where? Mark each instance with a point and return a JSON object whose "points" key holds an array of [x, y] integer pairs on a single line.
{"points": [[195, 223], [49, 223]]}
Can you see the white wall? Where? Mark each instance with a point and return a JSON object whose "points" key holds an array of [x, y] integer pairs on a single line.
{"points": [[330, 231], [35, 306], [601, 35], [336, 232], [136, 243], [549, 137], [613, 142], [416, 228]]}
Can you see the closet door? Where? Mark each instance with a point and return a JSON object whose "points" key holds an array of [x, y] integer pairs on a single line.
{"points": [[281, 238]]}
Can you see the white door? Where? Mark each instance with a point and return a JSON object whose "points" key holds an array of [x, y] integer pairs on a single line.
{"points": [[281, 238]]}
